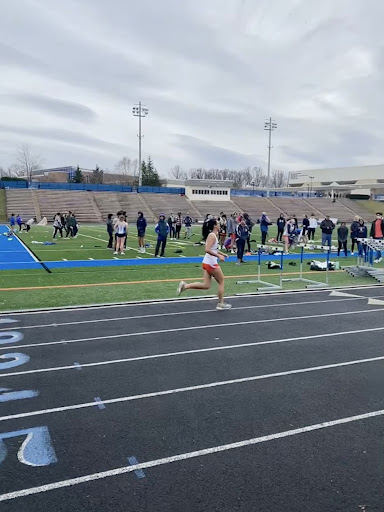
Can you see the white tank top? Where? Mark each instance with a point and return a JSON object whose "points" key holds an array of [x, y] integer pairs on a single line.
{"points": [[121, 228], [208, 258]]}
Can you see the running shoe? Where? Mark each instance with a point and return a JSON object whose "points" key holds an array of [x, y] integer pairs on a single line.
{"points": [[223, 305], [181, 288], [115, 252], [122, 253]]}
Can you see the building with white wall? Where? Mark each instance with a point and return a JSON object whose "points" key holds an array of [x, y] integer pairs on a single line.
{"points": [[362, 180], [204, 190]]}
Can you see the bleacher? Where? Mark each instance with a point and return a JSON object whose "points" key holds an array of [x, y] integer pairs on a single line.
{"points": [[254, 206], [95, 206], [20, 201], [133, 203], [55, 201], [291, 206], [167, 203], [215, 207], [357, 208]]}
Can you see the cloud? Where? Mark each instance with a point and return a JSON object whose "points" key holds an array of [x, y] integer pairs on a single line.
{"points": [[53, 106], [209, 72]]}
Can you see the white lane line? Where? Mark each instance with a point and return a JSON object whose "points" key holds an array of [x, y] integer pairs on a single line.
{"points": [[188, 352], [80, 308], [106, 241], [131, 398], [188, 455], [188, 312], [197, 327]]}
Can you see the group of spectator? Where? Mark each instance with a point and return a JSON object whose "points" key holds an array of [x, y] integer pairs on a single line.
{"points": [[20, 223], [67, 222]]}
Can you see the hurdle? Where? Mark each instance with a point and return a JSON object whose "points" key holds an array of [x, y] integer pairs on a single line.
{"points": [[263, 284], [310, 282]]}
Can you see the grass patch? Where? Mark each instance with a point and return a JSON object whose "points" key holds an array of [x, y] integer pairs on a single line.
{"points": [[78, 286]]}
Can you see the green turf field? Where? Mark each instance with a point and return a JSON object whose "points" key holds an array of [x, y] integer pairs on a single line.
{"points": [[75, 286]]}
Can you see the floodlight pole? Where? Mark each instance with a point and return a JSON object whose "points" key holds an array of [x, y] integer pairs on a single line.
{"points": [[140, 111], [269, 126]]}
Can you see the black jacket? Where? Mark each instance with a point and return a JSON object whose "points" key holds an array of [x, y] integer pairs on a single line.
{"points": [[327, 226], [373, 228], [342, 234], [280, 223]]}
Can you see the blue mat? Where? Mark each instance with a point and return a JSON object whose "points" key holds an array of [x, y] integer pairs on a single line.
{"points": [[13, 252]]}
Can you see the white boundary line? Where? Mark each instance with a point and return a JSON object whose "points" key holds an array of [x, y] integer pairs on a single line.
{"points": [[188, 352], [197, 327], [154, 302], [186, 456], [174, 391], [188, 312]]}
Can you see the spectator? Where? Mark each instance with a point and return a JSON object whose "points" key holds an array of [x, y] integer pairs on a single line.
{"points": [[264, 226], [141, 225], [377, 232], [362, 232], [242, 234], [161, 229], [312, 227], [250, 225], [188, 226], [231, 230], [327, 227], [171, 225], [29, 223], [205, 230], [57, 225], [342, 238], [19, 221], [354, 237], [289, 229], [121, 228], [305, 228], [222, 230], [110, 231], [12, 222], [75, 226], [280, 227], [178, 222], [68, 225]]}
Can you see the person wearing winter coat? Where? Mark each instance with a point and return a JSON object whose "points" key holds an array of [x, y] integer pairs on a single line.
{"points": [[162, 230], [188, 226], [264, 226], [250, 224], [354, 237], [171, 224], [362, 232], [342, 238], [327, 227], [280, 227], [141, 225], [242, 234]]}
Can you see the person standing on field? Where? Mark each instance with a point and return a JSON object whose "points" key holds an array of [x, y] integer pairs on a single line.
{"points": [[188, 226], [141, 225], [161, 229]]}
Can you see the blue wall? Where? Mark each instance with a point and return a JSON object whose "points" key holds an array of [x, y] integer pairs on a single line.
{"points": [[91, 186]]}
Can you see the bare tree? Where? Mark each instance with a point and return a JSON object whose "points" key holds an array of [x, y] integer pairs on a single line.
{"points": [[177, 173], [128, 170], [26, 162], [278, 179]]}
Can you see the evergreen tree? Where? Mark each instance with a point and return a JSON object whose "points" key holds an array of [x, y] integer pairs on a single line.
{"points": [[149, 174], [78, 176]]}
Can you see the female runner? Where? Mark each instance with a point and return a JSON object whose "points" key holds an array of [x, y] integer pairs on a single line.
{"points": [[210, 267]]}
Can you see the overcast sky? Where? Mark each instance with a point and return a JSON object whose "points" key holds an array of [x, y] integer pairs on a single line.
{"points": [[210, 72]]}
